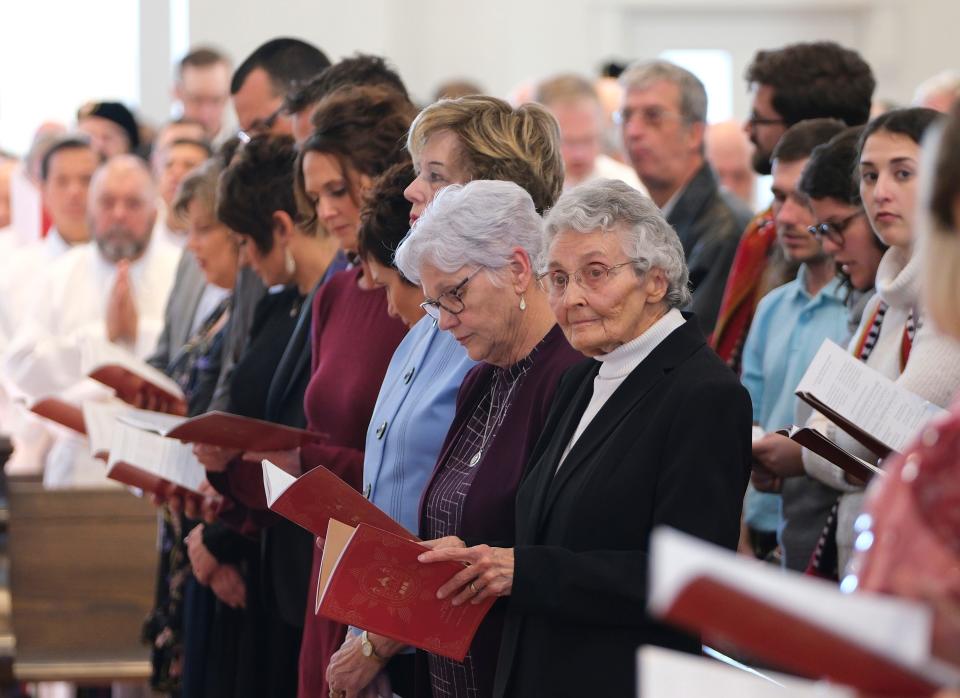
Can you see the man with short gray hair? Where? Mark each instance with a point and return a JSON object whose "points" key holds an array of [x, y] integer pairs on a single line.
{"points": [[663, 117]]}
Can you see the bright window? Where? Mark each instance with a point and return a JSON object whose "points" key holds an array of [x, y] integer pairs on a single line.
{"points": [[714, 67], [56, 55]]}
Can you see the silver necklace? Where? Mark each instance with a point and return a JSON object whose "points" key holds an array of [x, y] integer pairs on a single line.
{"points": [[489, 428]]}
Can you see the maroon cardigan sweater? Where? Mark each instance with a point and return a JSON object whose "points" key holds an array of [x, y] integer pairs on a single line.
{"points": [[489, 510], [353, 341]]}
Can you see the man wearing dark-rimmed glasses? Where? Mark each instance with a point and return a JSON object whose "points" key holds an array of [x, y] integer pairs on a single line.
{"points": [[787, 85]]}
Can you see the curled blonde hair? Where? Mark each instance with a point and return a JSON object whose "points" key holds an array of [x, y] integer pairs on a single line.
{"points": [[497, 141]]}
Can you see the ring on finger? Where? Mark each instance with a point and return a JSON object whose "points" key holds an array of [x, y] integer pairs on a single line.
{"points": [[473, 588]]}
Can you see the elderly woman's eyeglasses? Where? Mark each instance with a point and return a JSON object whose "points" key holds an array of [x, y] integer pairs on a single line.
{"points": [[591, 277], [834, 231], [451, 301]]}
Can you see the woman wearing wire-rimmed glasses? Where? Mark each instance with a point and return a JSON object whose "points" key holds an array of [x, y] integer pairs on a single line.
{"points": [[452, 142], [655, 431], [472, 251]]}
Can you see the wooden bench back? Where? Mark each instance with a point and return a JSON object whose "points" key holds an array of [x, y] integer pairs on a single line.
{"points": [[82, 578]]}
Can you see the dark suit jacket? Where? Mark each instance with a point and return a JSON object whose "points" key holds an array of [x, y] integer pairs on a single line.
{"points": [[709, 223], [671, 447], [287, 549]]}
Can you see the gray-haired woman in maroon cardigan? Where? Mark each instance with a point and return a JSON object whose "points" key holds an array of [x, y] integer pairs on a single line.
{"points": [[471, 251]]}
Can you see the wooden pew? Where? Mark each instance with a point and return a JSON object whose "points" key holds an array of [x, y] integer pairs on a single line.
{"points": [[82, 577]]}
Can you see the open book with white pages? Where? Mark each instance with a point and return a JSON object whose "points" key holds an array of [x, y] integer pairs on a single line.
{"points": [[813, 440], [149, 461], [663, 673], [802, 624], [119, 369], [870, 407]]}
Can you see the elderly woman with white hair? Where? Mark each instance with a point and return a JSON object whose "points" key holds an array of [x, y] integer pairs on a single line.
{"points": [[654, 431], [472, 251]]}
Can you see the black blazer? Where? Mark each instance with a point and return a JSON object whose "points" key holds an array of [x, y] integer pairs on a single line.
{"points": [[709, 223], [671, 447]]}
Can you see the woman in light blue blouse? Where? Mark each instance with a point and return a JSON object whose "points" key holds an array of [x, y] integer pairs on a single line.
{"points": [[413, 411]]}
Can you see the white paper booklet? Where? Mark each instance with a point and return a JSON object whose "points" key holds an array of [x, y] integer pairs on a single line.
{"points": [[276, 481], [663, 673], [168, 459], [100, 419], [870, 401], [894, 629]]}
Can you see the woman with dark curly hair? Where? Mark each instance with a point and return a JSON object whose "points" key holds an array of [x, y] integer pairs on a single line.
{"points": [[256, 201], [358, 134]]}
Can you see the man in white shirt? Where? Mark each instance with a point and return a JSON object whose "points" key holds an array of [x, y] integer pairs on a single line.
{"points": [[574, 102], [65, 173], [112, 289]]}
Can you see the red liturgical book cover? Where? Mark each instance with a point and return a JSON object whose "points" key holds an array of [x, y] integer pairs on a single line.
{"points": [[825, 448], [60, 411], [315, 497], [875, 643], [129, 376], [371, 579], [224, 430]]}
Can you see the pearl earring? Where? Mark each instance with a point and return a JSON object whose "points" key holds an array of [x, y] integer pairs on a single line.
{"points": [[523, 302]]}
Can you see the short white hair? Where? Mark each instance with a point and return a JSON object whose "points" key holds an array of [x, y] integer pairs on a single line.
{"points": [[610, 206], [474, 224]]}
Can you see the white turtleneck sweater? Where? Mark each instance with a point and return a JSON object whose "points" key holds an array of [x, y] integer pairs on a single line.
{"points": [[620, 363], [932, 372]]}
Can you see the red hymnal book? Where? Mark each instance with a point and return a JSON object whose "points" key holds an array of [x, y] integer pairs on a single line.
{"points": [[224, 430], [129, 376], [878, 644], [371, 579], [315, 497], [59, 411], [813, 440]]}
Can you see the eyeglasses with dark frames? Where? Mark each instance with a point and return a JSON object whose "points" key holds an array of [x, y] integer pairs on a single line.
{"points": [[450, 301], [757, 120], [260, 126], [834, 231]]}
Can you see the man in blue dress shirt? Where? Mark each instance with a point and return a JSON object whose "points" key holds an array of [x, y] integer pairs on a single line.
{"points": [[790, 324]]}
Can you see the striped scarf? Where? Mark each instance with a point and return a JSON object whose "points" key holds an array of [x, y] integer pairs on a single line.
{"points": [[824, 561]]}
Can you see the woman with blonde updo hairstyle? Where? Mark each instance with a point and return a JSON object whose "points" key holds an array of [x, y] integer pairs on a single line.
{"points": [[455, 141]]}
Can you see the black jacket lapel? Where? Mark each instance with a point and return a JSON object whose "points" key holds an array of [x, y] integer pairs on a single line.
{"points": [[670, 353]]}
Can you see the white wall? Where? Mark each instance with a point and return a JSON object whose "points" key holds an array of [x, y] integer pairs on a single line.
{"points": [[56, 55], [504, 42], [90, 52]]}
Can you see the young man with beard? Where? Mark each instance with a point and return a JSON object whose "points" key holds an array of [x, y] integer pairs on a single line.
{"points": [[787, 85]]}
